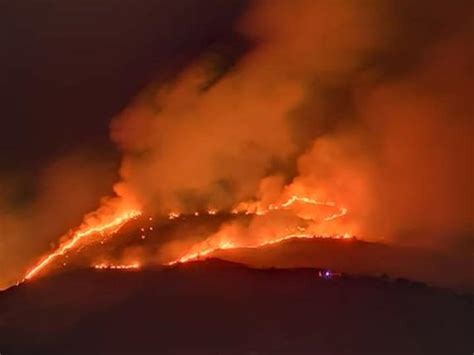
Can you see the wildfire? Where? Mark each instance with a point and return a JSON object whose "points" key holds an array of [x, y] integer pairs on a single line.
{"points": [[342, 212], [307, 200], [117, 266], [212, 211], [204, 252], [174, 215], [225, 245], [199, 250], [101, 229], [254, 208]]}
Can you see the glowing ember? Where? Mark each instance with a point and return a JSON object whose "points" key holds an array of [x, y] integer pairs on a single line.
{"points": [[117, 267], [174, 215], [101, 229], [212, 211]]}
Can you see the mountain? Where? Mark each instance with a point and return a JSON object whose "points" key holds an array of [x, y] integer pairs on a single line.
{"points": [[365, 258], [220, 307], [169, 240]]}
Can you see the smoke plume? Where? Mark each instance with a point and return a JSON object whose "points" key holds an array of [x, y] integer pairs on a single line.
{"points": [[30, 223], [366, 103], [336, 117]]}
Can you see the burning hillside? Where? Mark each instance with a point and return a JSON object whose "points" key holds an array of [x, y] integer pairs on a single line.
{"points": [[353, 120], [146, 242], [101, 229]]}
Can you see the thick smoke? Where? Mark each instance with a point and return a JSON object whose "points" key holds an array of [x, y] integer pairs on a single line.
{"points": [[208, 138], [30, 223], [366, 103]]}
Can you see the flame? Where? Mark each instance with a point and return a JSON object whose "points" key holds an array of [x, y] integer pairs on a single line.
{"points": [[174, 215], [307, 200], [254, 208], [107, 228], [199, 250], [227, 244], [204, 252], [117, 266], [212, 211], [342, 212], [346, 236]]}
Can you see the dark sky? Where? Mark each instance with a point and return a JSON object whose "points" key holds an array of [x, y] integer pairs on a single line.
{"points": [[67, 67]]}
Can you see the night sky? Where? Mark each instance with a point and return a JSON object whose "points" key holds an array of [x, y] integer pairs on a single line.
{"points": [[67, 67]]}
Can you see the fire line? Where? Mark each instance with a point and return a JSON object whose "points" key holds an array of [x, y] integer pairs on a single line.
{"points": [[110, 228], [249, 208]]}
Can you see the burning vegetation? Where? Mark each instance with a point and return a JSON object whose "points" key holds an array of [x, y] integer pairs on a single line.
{"points": [[334, 125], [101, 229]]}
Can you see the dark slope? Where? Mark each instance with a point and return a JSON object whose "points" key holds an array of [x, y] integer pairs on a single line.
{"points": [[217, 307], [363, 258]]}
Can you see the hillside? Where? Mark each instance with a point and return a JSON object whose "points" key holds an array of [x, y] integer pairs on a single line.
{"points": [[218, 307]]}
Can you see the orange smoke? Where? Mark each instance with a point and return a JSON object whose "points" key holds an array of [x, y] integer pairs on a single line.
{"points": [[313, 109], [340, 103]]}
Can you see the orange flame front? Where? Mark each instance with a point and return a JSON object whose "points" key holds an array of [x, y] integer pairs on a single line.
{"points": [[225, 245], [102, 229], [199, 250], [253, 208]]}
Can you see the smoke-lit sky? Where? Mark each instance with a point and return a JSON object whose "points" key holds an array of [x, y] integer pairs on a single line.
{"points": [[365, 102], [66, 68]]}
